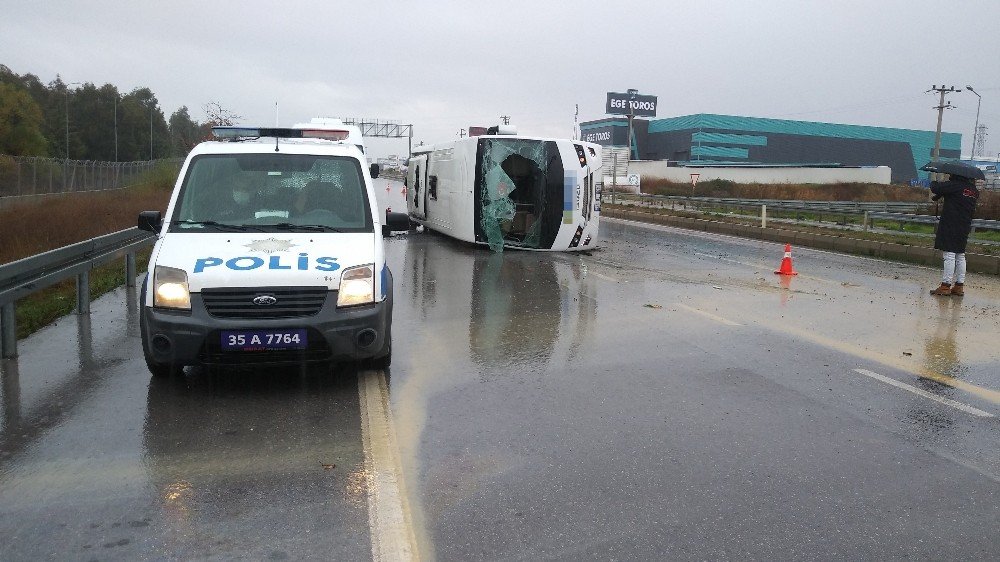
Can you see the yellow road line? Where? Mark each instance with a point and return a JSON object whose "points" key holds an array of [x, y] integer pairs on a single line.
{"points": [[989, 394], [392, 533], [891, 361], [708, 315]]}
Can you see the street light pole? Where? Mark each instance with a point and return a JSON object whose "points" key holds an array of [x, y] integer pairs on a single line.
{"points": [[67, 123], [975, 130], [116, 126]]}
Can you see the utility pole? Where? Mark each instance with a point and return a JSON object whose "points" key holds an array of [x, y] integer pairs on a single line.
{"points": [[461, 133], [505, 119], [941, 106]]}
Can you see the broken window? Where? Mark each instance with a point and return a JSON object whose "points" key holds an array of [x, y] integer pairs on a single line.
{"points": [[515, 195]]}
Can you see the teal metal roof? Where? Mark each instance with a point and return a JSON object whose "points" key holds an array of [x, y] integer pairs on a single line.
{"points": [[921, 142], [726, 138]]}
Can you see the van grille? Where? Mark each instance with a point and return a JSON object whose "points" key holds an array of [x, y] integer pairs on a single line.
{"points": [[238, 302]]}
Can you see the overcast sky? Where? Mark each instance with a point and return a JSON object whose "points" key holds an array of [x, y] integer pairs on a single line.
{"points": [[444, 66]]}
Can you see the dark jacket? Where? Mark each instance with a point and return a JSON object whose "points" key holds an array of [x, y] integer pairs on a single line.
{"points": [[960, 196]]}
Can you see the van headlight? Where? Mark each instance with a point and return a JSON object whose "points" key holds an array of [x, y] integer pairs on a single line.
{"points": [[357, 286], [170, 288]]}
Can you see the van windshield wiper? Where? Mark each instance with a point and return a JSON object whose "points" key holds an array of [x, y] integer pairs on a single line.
{"points": [[215, 224], [305, 227]]}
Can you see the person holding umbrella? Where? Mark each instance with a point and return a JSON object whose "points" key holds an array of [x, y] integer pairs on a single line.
{"points": [[960, 197]]}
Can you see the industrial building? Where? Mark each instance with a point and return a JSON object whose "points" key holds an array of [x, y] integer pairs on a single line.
{"points": [[709, 139]]}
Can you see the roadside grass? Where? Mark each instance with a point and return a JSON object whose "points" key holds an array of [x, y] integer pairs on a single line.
{"points": [[40, 309], [988, 206], [32, 228]]}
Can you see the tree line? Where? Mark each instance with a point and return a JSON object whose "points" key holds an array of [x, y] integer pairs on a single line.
{"points": [[81, 121]]}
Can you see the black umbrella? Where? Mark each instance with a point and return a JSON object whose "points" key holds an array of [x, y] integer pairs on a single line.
{"points": [[955, 169]]}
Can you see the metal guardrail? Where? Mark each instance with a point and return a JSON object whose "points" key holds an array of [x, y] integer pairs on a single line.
{"points": [[791, 204], [23, 277], [869, 210]]}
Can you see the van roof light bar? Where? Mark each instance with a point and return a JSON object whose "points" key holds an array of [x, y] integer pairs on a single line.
{"points": [[236, 133]]}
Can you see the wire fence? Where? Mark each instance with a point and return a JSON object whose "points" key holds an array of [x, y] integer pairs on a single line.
{"points": [[22, 176]]}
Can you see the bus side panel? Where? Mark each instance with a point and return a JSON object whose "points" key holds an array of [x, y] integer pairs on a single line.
{"points": [[466, 189]]}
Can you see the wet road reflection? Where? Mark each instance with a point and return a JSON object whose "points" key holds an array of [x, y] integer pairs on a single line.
{"points": [[579, 422], [543, 410], [252, 460], [941, 358], [98, 460], [521, 303], [65, 363]]}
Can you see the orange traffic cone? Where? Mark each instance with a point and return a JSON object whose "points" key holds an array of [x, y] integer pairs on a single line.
{"points": [[786, 263]]}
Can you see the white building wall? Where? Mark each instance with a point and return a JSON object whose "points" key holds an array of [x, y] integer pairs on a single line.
{"points": [[658, 169]]}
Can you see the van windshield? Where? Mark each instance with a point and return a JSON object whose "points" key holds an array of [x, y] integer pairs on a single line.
{"points": [[272, 192]]}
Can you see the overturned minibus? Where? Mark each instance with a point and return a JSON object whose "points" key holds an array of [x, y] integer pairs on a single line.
{"points": [[508, 191]]}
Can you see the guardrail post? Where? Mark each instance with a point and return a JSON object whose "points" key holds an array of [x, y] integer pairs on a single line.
{"points": [[864, 222], [130, 269], [83, 293], [763, 216], [8, 331]]}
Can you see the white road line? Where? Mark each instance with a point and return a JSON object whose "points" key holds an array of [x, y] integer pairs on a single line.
{"points": [[708, 315], [738, 262], [946, 401], [602, 276], [389, 518]]}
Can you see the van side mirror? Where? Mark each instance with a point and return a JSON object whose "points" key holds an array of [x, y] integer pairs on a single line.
{"points": [[150, 221], [395, 222], [375, 171]]}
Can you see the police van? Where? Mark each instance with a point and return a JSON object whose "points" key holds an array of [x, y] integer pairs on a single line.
{"points": [[270, 251]]}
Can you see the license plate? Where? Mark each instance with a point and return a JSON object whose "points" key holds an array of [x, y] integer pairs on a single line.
{"points": [[263, 340]]}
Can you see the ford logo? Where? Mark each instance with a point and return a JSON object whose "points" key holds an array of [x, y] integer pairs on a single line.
{"points": [[264, 300]]}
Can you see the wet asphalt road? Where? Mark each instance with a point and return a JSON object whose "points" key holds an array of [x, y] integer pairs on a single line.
{"points": [[663, 397]]}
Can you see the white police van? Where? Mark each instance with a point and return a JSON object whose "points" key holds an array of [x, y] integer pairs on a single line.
{"points": [[270, 252]]}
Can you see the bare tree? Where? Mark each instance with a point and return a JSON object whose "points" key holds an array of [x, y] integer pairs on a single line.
{"points": [[219, 116]]}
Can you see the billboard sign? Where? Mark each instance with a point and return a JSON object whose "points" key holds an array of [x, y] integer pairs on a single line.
{"points": [[631, 104], [607, 135]]}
